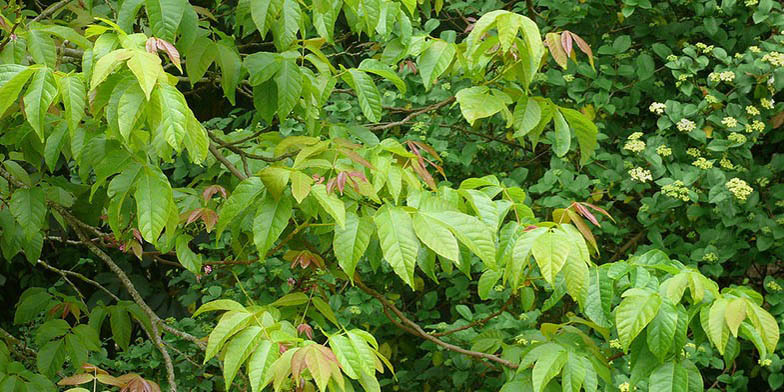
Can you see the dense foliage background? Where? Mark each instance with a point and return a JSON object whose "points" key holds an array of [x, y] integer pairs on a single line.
{"points": [[391, 195]]}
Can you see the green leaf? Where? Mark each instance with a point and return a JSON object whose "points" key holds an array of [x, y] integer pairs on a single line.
{"points": [[244, 195], [507, 25], [435, 60], [436, 236], [661, 331], [28, 206], [351, 241], [378, 68], [272, 217], [126, 13], [129, 109], [230, 323], [470, 231], [577, 275], [367, 93], [289, 82], [219, 304], [765, 324], [165, 17], [188, 258], [153, 197], [716, 327], [547, 367], [107, 64], [40, 95], [50, 330], [734, 314], [262, 66], [563, 136], [551, 250], [146, 67], [200, 56], [51, 357], [325, 310], [259, 11], [260, 362], [120, 321], [534, 45], [673, 377], [285, 30], [330, 203], [291, 299], [398, 241], [231, 68], [41, 47], [300, 185], [347, 356], [477, 102], [54, 145], [239, 348], [527, 115], [585, 131], [12, 79], [172, 114], [487, 282], [634, 313], [74, 95], [574, 372]]}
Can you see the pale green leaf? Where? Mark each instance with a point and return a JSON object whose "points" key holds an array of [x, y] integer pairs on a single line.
{"points": [[507, 24], [74, 96], [398, 241], [146, 67], [244, 195], [734, 314], [527, 115], [153, 197], [219, 304], [661, 330], [171, 114], [238, 349], [367, 94], [477, 102], [259, 11], [289, 82], [330, 203], [260, 362], [351, 241], [585, 131], [547, 367], [13, 77], [563, 136], [272, 217], [470, 231], [550, 251], [634, 313], [436, 236], [200, 56], [40, 95], [230, 323], [766, 325], [188, 258], [434, 61], [378, 68], [129, 109], [285, 30], [165, 17], [28, 206], [42, 48]]}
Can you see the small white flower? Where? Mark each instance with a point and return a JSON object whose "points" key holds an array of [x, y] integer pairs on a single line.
{"points": [[686, 125], [641, 175], [657, 107]]}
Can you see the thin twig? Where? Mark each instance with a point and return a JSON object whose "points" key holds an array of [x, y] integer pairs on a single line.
{"points": [[415, 329], [408, 118], [225, 162], [50, 10], [477, 322]]}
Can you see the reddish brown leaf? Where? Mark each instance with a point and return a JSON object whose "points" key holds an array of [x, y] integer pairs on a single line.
{"points": [[210, 218], [341, 181], [331, 185], [584, 212], [583, 228], [530, 227], [356, 158], [600, 210], [150, 45], [584, 47], [211, 190], [423, 174], [193, 216], [777, 120], [171, 51], [90, 368], [76, 379], [137, 234], [430, 150], [566, 42], [306, 329]]}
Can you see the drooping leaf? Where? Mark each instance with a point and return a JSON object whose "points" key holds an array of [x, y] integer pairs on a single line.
{"points": [[634, 313], [351, 241], [153, 197], [271, 219], [165, 17], [435, 60], [550, 252], [40, 95]]}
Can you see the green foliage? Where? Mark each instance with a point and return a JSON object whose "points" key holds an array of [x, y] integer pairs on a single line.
{"points": [[286, 210]]}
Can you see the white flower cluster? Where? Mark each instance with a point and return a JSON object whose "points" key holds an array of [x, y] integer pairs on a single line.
{"points": [[729, 122], [756, 125], [657, 107], [739, 188], [726, 163], [703, 163], [634, 144], [568, 78], [737, 138], [693, 152], [752, 110], [767, 103], [686, 125], [676, 190], [751, 3], [711, 99], [663, 150], [641, 175], [774, 58], [726, 76], [704, 48], [754, 49]]}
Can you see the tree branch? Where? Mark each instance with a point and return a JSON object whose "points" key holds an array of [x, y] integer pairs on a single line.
{"points": [[225, 162], [415, 329], [477, 322], [63, 273], [408, 118]]}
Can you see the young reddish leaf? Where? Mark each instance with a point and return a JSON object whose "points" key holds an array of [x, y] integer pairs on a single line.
{"points": [[584, 212], [211, 190], [566, 42], [584, 47], [356, 158], [171, 51], [579, 223], [430, 150], [599, 209]]}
